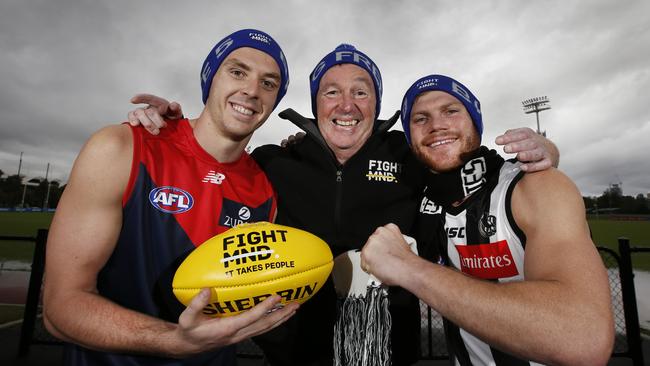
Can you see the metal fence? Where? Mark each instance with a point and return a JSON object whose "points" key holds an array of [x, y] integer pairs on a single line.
{"points": [[631, 313], [611, 260], [32, 330], [433, 345]]}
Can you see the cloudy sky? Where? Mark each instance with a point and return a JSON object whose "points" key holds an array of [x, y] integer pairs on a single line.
{"points": [[69, 67]]}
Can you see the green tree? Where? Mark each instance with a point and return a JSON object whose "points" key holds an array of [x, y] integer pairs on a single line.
{"points": [[590, 203], [641, 206], [12, 191]]}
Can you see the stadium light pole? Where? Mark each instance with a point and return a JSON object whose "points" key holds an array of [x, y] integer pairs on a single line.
{"points": [[47, 195], [536, 105], [20, 164]]}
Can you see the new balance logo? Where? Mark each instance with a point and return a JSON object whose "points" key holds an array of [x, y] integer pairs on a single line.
{"points": [[214, 177]]}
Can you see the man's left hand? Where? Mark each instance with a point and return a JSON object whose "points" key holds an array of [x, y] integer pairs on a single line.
{"points": [[534, 150], [152, 117]]}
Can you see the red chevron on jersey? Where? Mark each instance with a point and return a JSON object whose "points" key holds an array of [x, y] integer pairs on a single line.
{"points": [[204, 196]]}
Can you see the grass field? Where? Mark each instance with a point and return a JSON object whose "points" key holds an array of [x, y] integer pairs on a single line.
{"points": [[10, 313], [605, 233], [21, 224]]}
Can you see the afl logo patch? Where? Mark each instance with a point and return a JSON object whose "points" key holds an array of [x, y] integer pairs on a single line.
{"points": [[171, 199]]}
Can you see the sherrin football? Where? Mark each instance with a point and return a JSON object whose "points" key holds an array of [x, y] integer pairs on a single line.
{"points": [[249, 263]]}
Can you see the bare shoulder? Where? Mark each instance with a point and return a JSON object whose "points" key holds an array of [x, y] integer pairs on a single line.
{"points": [[105, 160], [107, 144], [545, 187], [110, 139], [547, 196]]}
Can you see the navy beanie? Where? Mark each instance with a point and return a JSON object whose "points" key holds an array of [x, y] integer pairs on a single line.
{"points": [[447, 85], [244, 38], [345, 54]]}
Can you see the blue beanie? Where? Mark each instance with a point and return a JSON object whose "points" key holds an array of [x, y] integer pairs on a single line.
{"points": [[447, 85], [345, 54], [244, 38]]}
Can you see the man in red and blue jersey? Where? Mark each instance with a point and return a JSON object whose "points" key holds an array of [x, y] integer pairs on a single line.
{"points": [[137, 204]]}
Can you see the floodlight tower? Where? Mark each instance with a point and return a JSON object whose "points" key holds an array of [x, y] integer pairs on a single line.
{"points": [[47, 195], [536, 105]]}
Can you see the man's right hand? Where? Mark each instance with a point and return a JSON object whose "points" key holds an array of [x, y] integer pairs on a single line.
{"points": [[152, 117], [293, 139], [386, 255], [199, 333]]}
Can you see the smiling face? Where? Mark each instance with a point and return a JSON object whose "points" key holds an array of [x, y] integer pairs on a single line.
{"points": [[442, 132], [345, 107], [243, 92]]}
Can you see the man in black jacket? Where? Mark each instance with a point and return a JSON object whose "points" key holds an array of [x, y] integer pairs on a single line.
{"points": [[347, 177]]}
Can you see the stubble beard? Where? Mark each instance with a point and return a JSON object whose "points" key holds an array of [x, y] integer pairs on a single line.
{"points": [[441, 163]]}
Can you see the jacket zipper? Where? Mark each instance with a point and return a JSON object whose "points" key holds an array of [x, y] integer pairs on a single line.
{"points": [[320, 141], [337, 203]]}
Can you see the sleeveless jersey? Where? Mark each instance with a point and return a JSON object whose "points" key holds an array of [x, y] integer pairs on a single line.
{"points": [[177, 197], [484, 241]]}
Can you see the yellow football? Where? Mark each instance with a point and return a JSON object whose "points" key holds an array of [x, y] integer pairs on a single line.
{"points": [[249, 263]]}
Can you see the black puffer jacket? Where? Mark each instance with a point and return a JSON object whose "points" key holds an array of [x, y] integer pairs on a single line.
{"points": [[343, 205]]}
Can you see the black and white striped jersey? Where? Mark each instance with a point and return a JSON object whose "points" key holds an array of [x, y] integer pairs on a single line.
{"points": [[484, 241]]}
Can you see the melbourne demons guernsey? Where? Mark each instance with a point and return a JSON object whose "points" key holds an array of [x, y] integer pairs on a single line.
{"points": [[483, 241], [178, 196]]}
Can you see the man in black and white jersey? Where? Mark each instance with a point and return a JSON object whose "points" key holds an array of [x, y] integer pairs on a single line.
{"points": [[527, 284]]}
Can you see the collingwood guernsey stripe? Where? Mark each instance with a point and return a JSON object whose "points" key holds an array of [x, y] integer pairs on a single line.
{"points": [[483, 241]]}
